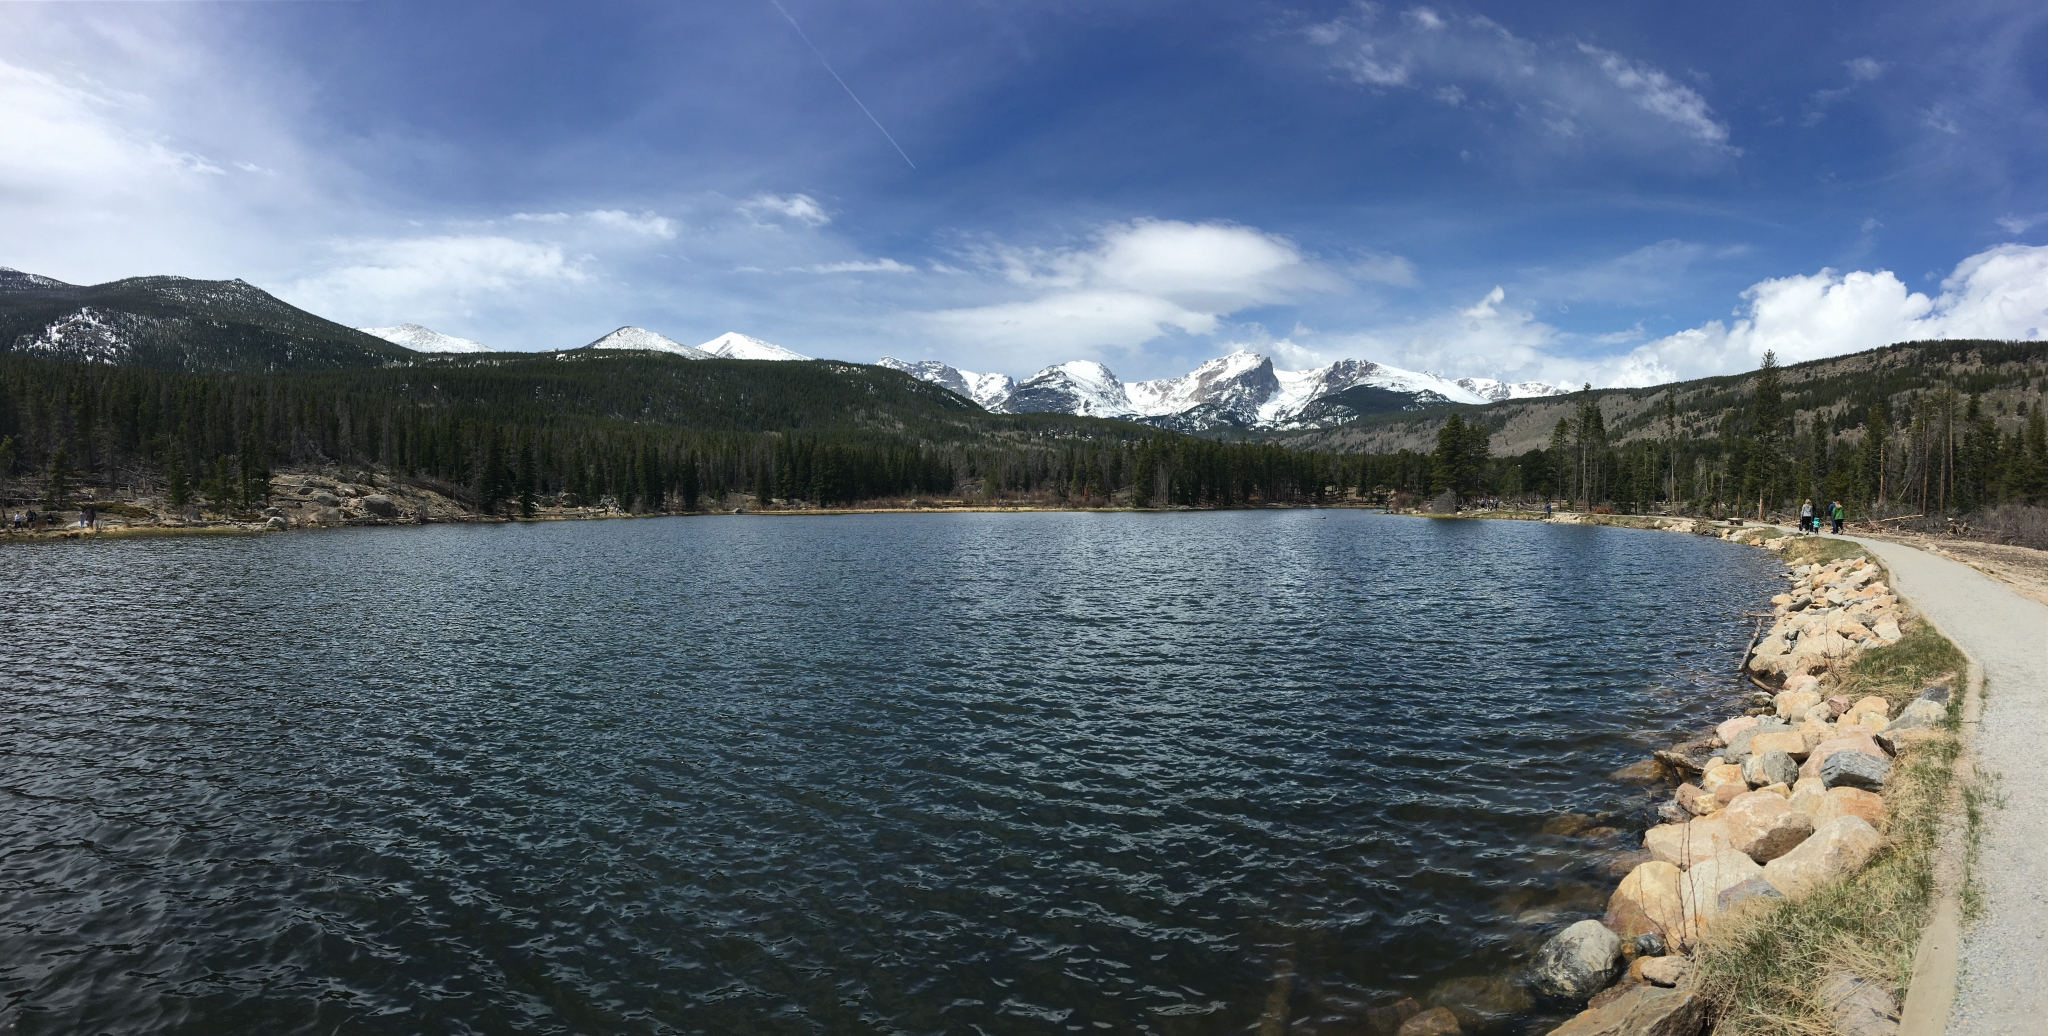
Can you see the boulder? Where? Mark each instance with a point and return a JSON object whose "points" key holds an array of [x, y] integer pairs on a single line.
{"points": [[1836, 849], [1716, 776], [1936, 693], [1682, 845], [1650, 946], [1386, 1020], [1764, 826], [329, 516], [275, 521], [1919, 713], [1790, 742], [1648, 771], [1482, 1001], [1666, 971], [1899, 741], [1690, 756], [326, 499], [1731, 727], [1850, 802], [1850, 740], [1646, 903], [1643, 1010], [1670, 812], [1858, 1007], [1838, 704], [1694, 800], [1577, 962], [1871, 703], [1437, 1021], [1700, 891], [1789, 700], [1855, 770], [1887, 630], [1783, 791], [1807, 794], [380, 505], [1751, 889], [1770, 768]]}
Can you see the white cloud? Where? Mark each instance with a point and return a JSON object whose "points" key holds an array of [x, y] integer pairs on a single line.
{"points": [[1138, 281], [1569, 92], [799, 207], [1999, 293], [1659, 94], [2013, 224], [1864, 69], [420, 278], [884, 265]]}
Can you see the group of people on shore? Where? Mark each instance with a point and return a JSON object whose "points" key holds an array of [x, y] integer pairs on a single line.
{"points": [[1809, 520]]}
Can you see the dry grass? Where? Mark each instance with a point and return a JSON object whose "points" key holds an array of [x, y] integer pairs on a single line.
{"points": [[1763, 969]]}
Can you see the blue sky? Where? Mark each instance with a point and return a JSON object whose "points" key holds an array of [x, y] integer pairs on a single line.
{"points": [[1622, 193]]}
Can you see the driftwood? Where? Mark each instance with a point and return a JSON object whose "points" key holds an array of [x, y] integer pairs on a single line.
{"points": [[1901, 518]]}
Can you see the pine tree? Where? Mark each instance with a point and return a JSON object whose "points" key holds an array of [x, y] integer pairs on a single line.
{"points": [[523, 482], [57, 492], [1766, 436], [177, 488], [1870, 456]]}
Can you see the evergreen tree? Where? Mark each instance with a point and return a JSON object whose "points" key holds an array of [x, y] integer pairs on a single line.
{"points": [[252, 487], [177, 488], [1590, 448], [1870, 456], [688, 489], [523, 484], [1766, 436], [1564, 475], [57, 491]]}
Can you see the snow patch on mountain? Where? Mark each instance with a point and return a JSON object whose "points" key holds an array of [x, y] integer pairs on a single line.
{"points": [[1081, 387], [988, 390], [639, 338], [1234, 386], [11, 278], [1496, 391], [733, 345], [84, 334], [425, 340]]}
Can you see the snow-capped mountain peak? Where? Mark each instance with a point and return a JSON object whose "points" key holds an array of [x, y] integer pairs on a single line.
{"points": [[733, 345], [1495, 391], [989, 390], [1082, 387], [425, 340], [1233, 385], [647, 341]]}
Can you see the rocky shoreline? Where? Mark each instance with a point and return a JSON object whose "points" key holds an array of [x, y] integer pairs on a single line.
{"points": [[1774, 804]]}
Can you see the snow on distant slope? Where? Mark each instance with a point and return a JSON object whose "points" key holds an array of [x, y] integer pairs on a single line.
{"points": [[1495, 391], [1236, 385], [85, 334], [425, 340], [733, 345], [647, 341], [989, 390], [1081, 387]]}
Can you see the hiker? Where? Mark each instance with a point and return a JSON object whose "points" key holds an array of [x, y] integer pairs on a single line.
{"points": [[1546, 509], [1836, 512], [1806, 523]]}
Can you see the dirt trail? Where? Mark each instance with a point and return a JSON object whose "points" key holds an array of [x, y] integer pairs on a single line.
{"points": [[2003, 957]]}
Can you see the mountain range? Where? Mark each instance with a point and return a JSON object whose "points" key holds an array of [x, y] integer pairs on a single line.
{"points": [[185, 324], [1241, 390]]}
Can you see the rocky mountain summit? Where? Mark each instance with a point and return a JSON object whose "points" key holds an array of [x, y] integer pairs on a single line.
{"points": [[1241, 390]]}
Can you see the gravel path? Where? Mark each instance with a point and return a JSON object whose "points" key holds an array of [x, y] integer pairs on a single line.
{"points": [[2003, 958]]}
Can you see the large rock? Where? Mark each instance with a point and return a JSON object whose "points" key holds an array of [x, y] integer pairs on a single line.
{"points": [[1849, 739], [1642, 1011], [1937, 693], [1749, 889], [1690, 756], [1807, 795], [1577, 962], [1835, 850], [1858, 1007], [1770, 768], [1729, 728], [1646, 903], [1764, 826], [1666, 971], [1851, 802], [380, 505], [1683, 845], [1482, 1001], [1921, 712], [1871, 703], [1700, 891], [1790, 742], [1716, 776], [1789, 700], [1386, 1019], [1437, 1021], [1855, 770], [1694, 800]]}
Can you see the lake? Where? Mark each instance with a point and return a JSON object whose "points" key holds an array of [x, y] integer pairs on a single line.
{"points": [[940, 773]]}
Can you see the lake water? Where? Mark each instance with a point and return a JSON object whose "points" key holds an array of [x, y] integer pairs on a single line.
{"points": [[1253, 771]]}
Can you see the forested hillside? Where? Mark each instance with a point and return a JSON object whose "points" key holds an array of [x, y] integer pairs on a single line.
{"points": [[1927, 427], [176, 323], [640, 431]]}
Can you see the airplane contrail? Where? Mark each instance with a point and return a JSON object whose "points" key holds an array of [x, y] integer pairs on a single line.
{"points": [[842, 83]]}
